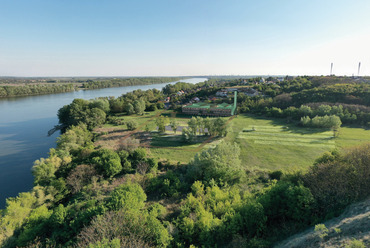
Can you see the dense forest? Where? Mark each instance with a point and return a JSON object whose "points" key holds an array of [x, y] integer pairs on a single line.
{"points": [[27, 90], [89, 196], [14, 87]]}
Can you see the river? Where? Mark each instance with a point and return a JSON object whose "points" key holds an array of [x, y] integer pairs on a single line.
{"points": [[24, 123]]}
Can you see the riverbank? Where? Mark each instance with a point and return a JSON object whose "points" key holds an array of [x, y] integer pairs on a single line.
{"points": [[24, 126], [32, 87]]}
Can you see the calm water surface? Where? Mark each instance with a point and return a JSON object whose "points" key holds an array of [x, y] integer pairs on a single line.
{"points": [[24, 123]]}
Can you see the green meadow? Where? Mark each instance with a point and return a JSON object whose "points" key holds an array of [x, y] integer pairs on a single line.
{"points": [[265, 143], [274, 144]]}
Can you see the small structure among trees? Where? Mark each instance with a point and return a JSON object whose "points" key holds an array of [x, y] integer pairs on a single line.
{"points": [[207, 109]]}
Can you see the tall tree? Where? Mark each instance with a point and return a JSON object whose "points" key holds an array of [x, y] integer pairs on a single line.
{"points": [[129, 109], [221, 163], [139, 106], [161, 123], [200, 124], [174, 125], [192, 124]]}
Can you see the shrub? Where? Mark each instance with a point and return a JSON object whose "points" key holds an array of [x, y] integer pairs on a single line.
{"points": [[339, 180], [131, 125], [286, 202], [221, 163], [355, 244], [107, 162], [128, 197], [133, 229]]}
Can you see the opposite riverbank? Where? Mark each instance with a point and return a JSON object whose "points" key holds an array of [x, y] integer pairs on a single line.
{"points": [[13, 87]]}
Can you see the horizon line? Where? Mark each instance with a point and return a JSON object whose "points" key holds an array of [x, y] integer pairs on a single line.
{"points": [[192, 76]]}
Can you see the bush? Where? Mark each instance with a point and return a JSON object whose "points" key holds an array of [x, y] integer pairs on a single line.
{"points": [[286, 202], [107, 162], [133, 229], [355, 244], [168, 184], [331, 121], [221, 163], [338, 180], [131, 125], [128, 197]]}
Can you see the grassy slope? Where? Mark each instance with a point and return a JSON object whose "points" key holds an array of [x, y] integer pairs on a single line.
{"points": [[354, 224], [277, 145], [272, 154]]}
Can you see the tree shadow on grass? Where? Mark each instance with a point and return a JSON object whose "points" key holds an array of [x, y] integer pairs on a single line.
{"points": [[291, 126], [303, 130], [174, 141]]}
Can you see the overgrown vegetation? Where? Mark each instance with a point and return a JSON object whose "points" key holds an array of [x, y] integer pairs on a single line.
{"points": [[87, 195]]}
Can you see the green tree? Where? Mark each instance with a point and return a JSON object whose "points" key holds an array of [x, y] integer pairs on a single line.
{"points": [[128, 197], [74, 138], [131, 125], [174, 125], [321, 230], [94, 117], [221, 163], [35, 225], [161, 123], [220, 127], [107, 162], [286, 202], [187, 136], [306, 121], [44, 170], [105, 243], [192, 125], [15, 214], [139, 106], [354, 243], [100, 103], [200, 124], [129, 109], [208, 123], [59, 215]]}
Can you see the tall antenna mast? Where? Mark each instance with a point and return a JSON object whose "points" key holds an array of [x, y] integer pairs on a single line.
{"points": [[358, 72], [331, 69]]}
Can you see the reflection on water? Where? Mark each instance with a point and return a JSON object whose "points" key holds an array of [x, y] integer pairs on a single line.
{"points": [[24, 123]]}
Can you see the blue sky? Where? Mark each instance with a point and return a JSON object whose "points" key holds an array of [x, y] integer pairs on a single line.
{"points": [[188, 37]]}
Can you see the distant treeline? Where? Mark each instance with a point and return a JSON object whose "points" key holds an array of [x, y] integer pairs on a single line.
{"points": [[40, 89], [128, 82], [310, 96], [88, 196]]}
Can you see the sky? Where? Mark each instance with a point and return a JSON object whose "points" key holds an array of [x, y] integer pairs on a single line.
{"points": [[183, 37]]}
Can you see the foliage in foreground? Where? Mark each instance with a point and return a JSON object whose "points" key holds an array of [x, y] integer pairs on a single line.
{"points": [[93, 197]]}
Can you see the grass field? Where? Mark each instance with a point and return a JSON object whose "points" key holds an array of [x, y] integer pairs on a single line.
{"points": [[265, 143], [274, 144], [162, 146]]}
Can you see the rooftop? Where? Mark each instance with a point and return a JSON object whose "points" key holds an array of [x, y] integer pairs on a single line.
{"points": [[210, 106]]}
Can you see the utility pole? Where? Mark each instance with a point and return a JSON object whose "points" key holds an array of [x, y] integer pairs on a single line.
{"points": [[331, 69], [359, 66]]}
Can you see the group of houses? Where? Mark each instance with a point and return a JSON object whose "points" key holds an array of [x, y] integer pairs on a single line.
{"points": [[249, 91]]}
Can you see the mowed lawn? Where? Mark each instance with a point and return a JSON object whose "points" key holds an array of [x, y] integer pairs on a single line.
{"points": [[265, 143], [273, 144]]}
